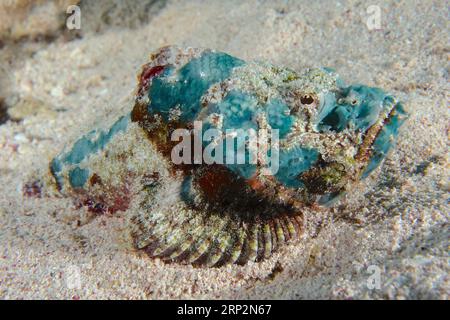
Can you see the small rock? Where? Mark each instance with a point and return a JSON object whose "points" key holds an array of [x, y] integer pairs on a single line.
{"points": [[32, 19], [30, 107], [57, 92], [3, 112], [21, 138]]}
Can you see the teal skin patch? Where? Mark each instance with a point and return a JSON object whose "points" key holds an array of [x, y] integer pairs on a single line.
{"points": [[385, 139], [238, 110], [356, 107], [83, 148], [78, 177], [186, 190], [292, 163], [278, 117], [191, 82]]}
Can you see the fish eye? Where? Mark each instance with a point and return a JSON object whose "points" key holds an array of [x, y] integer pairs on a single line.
{"points": [[354, 102], [306, 99]]}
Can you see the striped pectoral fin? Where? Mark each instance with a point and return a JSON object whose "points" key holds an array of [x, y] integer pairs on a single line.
{"points": [[188, 249], [218, 249], [200, 249], [236, 248], [260, 239], [253, 242], [205, 244], [216, 238], [143, 240], [179, 238], [170, 244], [182, 250], [229, 246], [279, 231], [268, 243], [172, 241], [286, 228], [249, 250], [293, 232], [297, 220], [153, 238]]}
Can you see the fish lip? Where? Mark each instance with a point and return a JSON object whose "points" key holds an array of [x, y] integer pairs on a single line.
{"points": [[366, 152]]}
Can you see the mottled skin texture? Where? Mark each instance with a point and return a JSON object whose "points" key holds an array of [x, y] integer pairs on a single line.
{"points": [[331, 136]]}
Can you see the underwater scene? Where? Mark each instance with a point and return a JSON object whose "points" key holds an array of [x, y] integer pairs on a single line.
{"points": [[217, 150]]}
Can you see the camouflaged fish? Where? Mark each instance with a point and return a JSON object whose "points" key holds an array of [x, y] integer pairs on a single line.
{"points": [[330, 136]]}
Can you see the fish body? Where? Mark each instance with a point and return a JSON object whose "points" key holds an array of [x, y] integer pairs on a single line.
{"points": [[306, 138]]}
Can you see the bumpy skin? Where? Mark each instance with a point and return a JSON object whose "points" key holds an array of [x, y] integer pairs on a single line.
{"points": [[331, 136]]}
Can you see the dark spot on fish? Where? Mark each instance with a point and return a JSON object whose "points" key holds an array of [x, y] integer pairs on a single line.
{"points": [[306, 99], [95, 179], [424, 165], [33, 189], [3, 112], [276, 270]]}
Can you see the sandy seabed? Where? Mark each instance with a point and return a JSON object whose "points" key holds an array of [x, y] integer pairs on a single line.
{"points": [[395, 224]]}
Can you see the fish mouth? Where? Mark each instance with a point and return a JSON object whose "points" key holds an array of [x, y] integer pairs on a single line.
{"points": [[359, 111], [380, 138], [363, 110]]}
